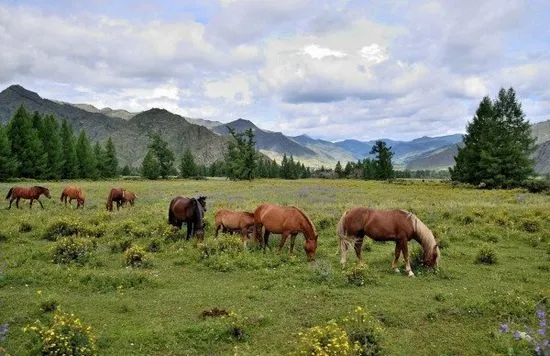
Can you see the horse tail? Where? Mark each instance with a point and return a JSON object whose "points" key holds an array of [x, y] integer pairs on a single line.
{"points": [[344, 241], [171, 216], [9, 193]]}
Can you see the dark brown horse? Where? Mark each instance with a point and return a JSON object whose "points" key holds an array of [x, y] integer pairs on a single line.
{"points": [[190, 211], [32, 193], [73, 192], [115, 195], [238, 221], [129, 197], [386, 225], [288, 221]]}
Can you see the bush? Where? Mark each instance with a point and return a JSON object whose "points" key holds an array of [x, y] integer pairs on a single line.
{"points": [[66, 336], [486, 255], [120, 245], [530, 225], [359, 275], [3, 237], [59, 229], [537, 185], [365, 331], [214, 247], [136, 257], [25, 227], [154, 245], [73, 249], [322, 272]]}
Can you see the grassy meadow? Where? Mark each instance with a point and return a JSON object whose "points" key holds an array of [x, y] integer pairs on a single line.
{"points": [[155, 309]]}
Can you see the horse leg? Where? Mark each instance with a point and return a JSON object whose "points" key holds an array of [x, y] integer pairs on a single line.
{"points": [[17, 203], [358, 247], [30, 205], [398, 249], [292, 241], [189, 230], [244, 236], [283, 240], [38, 200], [218, 226], [406, 257], [266, 239]]}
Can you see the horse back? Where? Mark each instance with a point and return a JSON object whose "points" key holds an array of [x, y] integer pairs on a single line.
{"points": [[387, 224]]}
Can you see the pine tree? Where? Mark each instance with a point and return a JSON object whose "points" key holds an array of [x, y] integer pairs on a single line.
{"points": [[26, 145], [150, 167], [338, 170], [86, 161], [125, 171], [50, 136], [99, 156], [286, 170], [188, 167], [383, 155], [497, 144], [164, 156], [70, 165], [241, 158], [8, 162], [110, 161]]}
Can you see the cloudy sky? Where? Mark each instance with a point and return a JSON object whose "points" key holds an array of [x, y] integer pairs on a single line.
{"points": [[331, 69]]}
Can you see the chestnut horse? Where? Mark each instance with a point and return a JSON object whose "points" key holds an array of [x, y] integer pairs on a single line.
{"points": [[73, 192], [129, 197], [287, 221], [240, 221], [386, 225], [32, 193], [190, 211], [115, 195]]}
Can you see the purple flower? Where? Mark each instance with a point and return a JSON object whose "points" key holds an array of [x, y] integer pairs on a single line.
{"points": [[3, 330], [541, 314], [542, 331], [517, 335], [542, 323], [504, 328]]}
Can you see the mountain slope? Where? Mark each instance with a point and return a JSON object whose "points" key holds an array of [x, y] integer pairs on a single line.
{"points": [[328, 152]]}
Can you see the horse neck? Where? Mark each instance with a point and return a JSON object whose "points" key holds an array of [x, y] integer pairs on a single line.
{"points": [[199, 214], [423, 235], [309, 228]]}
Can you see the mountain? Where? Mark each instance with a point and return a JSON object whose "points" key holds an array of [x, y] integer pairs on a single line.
{"points": [[273, 144], [327, 151], [438, 159], [120, 113], [209, 124], [129, 136]]}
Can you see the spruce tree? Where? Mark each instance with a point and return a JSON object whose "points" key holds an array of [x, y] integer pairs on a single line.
{"points": [[338, 170], [126, 171], [241, 158], [150, 167], [383, 164], [188, 167], [99, 157], [26, 145], [497, 145], [164, 156], [8, 162], [286, 170], [86, 161], [110, 162], [70, 165], [50, 136]]}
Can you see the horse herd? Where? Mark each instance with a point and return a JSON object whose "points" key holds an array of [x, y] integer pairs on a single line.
{"points": [[354, 225]]}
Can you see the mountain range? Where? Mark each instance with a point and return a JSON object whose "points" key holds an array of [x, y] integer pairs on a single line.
{"points": [[207, 139]]}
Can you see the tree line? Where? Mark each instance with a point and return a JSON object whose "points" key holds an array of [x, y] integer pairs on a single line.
{"points": [[36, 146]]}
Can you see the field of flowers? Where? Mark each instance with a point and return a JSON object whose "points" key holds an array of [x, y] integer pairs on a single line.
{"points": [[89, 281]]}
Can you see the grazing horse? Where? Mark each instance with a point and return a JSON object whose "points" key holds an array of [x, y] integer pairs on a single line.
{"points": [[386, 225], [115, 195], [190, 211], [240, 221], [129, 197], [32, 193], [287, 221], [73, 192]]}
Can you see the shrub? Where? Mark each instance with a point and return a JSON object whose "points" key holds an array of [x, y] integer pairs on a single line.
{"points": [[25, 227], [48, 306], [530, 225], [3, 237], [73, 249], [359, 275], [322, 272], [365, 331], [154, 245], [59, 229], [537, 185], [214, 247], [120, 245], [136, 257], [486, 255], [67, 335]]}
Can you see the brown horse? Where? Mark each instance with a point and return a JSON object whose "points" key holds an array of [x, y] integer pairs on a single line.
{"points": [[129, 197], [386, 225], [288, 221], [239, 221], [32, 193], [73, 192], [190, 211], [115, 195]]}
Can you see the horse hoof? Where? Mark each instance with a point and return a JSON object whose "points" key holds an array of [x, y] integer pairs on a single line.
{"points": [[396, 270], [411, 274]]}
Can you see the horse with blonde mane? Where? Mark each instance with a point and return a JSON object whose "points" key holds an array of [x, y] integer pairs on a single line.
{"points": [[115, 195], [73, 192], [129, 197], [287, 221], [31, 193], [239, 221], [386, 225]]}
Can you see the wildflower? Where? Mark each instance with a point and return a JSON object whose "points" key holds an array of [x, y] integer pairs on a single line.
{"points": [[504, 328]]}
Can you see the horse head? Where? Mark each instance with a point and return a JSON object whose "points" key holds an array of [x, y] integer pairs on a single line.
{"points": [[45, 191], [310, 246], [431, 257], [202, 200], [199, 205]]}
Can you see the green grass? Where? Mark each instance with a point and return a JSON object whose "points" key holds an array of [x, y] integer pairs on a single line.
{"points": [[154, 309]]}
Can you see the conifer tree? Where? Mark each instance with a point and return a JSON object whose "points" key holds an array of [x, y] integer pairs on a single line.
{"points": [[126, 171], [26, 145], [99, 156], [188, 167], [70, 165], [150, 167], [164, 156], [338, 170], [241, 159], [50, 137], [497, 144], [8, 163], [110, 162], [86, 161], [383, 164]]}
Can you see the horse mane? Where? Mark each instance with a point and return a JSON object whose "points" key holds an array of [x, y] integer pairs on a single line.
{"points": [[307, 219], [424, 234]]}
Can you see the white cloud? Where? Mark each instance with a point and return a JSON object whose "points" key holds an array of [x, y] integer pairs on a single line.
{"points": [[316, 52], [373, 53]]}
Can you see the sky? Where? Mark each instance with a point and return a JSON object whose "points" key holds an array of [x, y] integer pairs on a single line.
{"points": [[334, 69]]}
